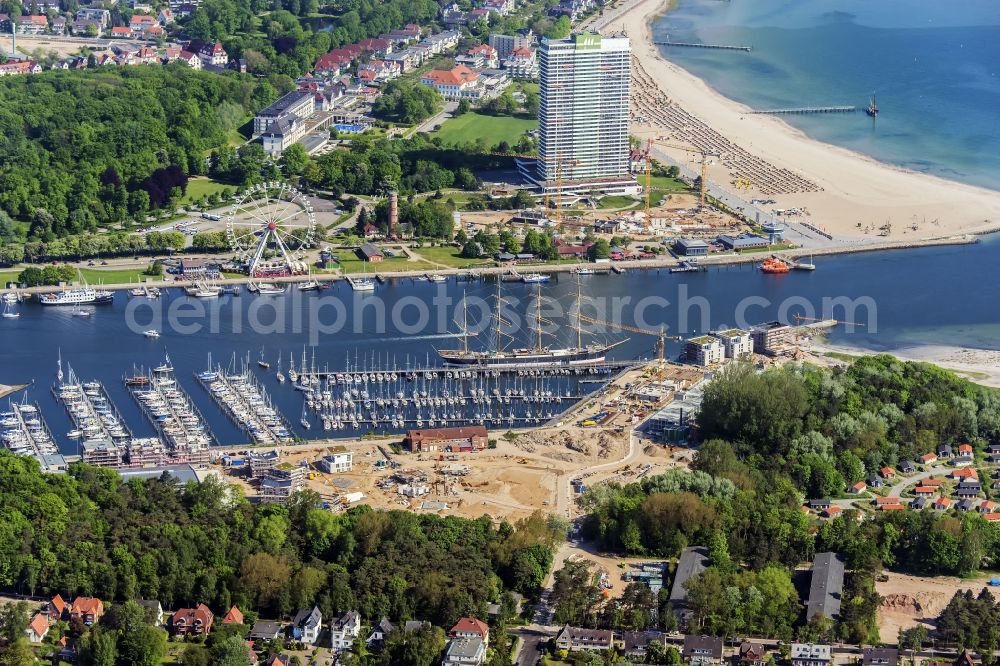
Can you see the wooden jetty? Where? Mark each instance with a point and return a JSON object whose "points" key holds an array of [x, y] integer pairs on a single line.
{"points": [[719, 47], [809, 109]]}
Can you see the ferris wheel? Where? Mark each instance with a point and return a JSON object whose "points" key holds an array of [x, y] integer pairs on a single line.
{"points": [[269, 229]]}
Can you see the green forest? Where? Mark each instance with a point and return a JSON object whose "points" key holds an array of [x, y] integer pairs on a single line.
{"points": [[775, 438], [88, 532], [86, 150]]}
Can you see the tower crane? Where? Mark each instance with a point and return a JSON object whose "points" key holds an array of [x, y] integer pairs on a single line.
{"points": [[560, 162], [661, 141], [660, 334]]}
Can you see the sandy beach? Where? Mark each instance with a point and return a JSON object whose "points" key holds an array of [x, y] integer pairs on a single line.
{"points": [[839, 189]]}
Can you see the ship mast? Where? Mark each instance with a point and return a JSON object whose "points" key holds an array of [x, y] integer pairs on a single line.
{"points": [[538, 318], [579, 322], [465, 322], [499, 332]]}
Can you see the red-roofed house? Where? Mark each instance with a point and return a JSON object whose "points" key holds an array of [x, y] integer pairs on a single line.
{"points": [[965, 449], [234, 616], [32, 25], [924, 491], [486, 55], [470, 627], [892, 507], [214, 54], [332, 63], [932, 482], [857, 488], [888, 473], [88, 609], [37, 628], [992, 517], [192, 621], [883, 501], [521, 64], [142, 22], [928, 458], [455, 83], [192, 59], [942, 503], [832, 512], [121, 32], [964, 473], [56, 609], [379, 48], [987, 506]]}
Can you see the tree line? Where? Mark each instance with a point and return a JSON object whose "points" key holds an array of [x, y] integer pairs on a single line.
{"points": [[86, 150], [89, 532]]}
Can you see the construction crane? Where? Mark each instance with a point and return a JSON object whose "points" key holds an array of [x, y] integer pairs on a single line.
{"points": [[660, 141], [660, 335], [560, 162]]}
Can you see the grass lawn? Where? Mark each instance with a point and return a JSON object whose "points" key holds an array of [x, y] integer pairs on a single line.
{"points": [[95, 276], [203, 187], [617, 202], [494, 129], [665, 184], [777, 247], [350, 264], [8, 276], [449, 256]]}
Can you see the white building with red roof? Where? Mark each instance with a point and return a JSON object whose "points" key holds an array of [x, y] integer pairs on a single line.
{"points": [[214, 54], [456, 83]]}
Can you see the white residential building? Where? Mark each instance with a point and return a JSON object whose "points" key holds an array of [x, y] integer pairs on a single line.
{"points": [[337, 462], [344, 630], [735, 342], [583, 117], [465, 652], [704, 350]]}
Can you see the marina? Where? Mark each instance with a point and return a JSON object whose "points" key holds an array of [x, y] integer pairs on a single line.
{"points": [[173, 414], [94, 416], [245, 401], [354, 357], [23, 432]]}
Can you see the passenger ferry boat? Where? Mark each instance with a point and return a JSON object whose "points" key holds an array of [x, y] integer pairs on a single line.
{"points": [[83, 296]]}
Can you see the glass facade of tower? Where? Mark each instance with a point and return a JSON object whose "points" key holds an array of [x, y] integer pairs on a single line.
{"points": [[583, 114]]}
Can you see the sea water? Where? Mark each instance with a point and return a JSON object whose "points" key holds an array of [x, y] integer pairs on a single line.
{"points": [[934, 68]]}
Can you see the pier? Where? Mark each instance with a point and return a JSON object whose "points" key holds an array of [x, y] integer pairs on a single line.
{"points": [[174, 415], [24, 432], [397, 399], [718, 47], [808, 109], [246, 403], [93, 414]]}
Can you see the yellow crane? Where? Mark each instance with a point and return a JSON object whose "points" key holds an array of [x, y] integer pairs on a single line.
{"points": [[660, 334], [560, 162], [705, 156]]}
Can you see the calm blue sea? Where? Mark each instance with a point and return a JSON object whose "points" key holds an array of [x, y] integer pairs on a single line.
{"points": [[933, 66]]}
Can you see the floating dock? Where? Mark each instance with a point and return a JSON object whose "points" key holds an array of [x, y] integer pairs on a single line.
{"points": [[244, 401], [174, 415], [24, 432], [93, 414]]}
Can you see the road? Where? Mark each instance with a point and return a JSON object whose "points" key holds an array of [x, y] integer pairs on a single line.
{"points": [[564, 489], [438, 118], [896, 490]]}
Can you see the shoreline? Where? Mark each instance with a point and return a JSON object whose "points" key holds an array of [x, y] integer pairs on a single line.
{"points": [[851, 187], [667, 261], [980, 366]]}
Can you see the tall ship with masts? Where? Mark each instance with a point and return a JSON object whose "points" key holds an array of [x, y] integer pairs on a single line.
{"points": [[539, 354]]}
